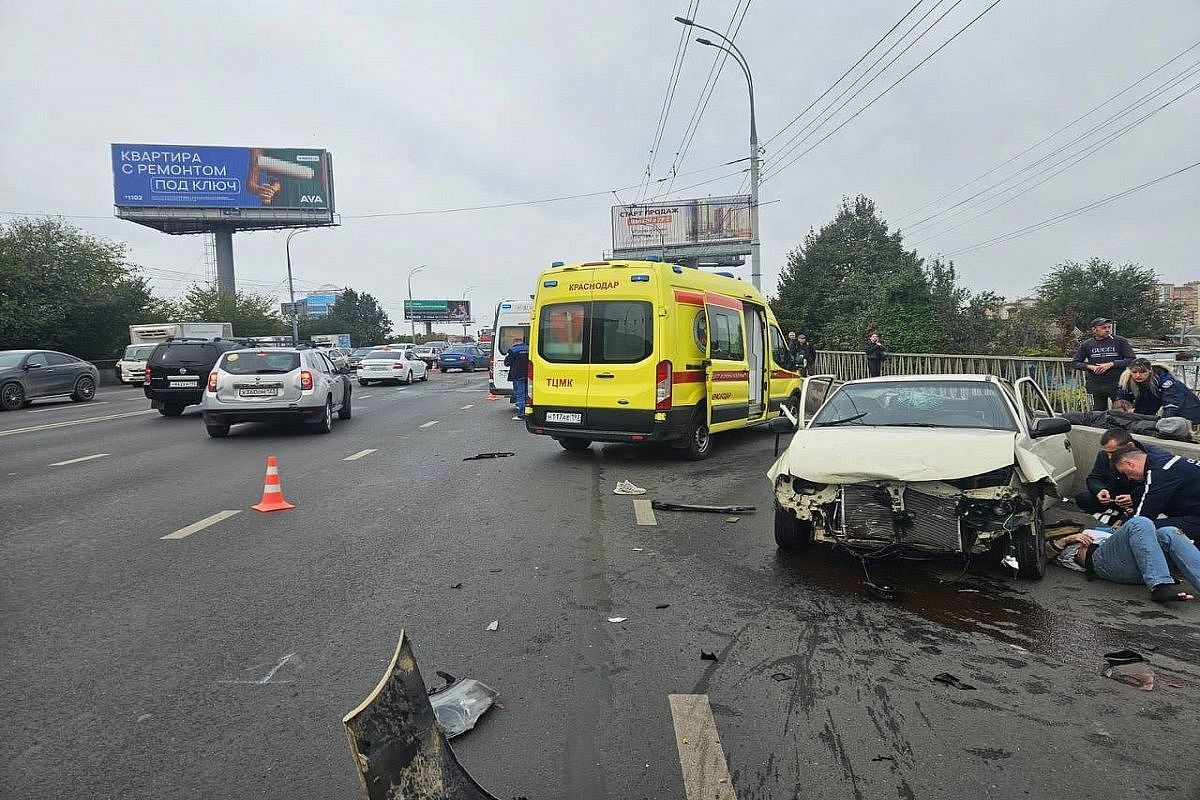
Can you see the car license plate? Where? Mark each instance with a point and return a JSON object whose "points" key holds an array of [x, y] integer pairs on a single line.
{"points": [[559, 416], [258, 391]]}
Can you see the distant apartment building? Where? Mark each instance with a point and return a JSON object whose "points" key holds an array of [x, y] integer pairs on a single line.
{"points": [[1186, 295], [1008, 310]]}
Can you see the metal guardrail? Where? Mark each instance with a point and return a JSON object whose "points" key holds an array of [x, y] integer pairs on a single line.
{"points": [[1063, 383]]}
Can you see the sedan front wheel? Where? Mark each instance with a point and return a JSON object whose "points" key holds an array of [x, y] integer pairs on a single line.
{"points": [[12, 396]]}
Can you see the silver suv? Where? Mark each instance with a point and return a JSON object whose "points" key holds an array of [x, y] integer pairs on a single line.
{"points": [[274, 384]]}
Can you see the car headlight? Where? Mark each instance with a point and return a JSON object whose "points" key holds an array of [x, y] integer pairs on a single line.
{"points": [[802, 486]]}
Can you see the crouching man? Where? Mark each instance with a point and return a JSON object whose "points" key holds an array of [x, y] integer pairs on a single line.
{"points": [[1109, 493], [1171, 487]]}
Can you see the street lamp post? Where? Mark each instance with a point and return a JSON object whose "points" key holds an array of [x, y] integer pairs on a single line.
{"points": [[287, 247], [465, 292], [412, 321], [755, 256]]}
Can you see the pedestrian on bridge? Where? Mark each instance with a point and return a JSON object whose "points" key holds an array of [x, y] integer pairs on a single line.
{"points": [[875, 354], [1103, 357]]}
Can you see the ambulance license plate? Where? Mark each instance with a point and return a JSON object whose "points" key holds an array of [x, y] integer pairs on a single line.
{"points": [[560, 416]]}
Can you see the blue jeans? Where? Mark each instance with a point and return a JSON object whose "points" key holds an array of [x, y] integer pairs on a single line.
{"points": [[519, 386], [1139, 553]]}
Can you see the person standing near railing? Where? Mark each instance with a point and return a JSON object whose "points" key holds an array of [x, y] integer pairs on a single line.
{"points": [[1103, 356], [875, 354]]}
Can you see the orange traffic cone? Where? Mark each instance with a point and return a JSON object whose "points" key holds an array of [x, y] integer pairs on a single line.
{"points": [[272, 498]]}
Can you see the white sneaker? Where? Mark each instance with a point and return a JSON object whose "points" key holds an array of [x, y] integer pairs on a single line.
{"points": [[518, 417], [625, 487]]}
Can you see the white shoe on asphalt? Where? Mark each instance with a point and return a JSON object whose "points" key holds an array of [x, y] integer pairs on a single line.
{"points": [[625, 487], [518, 417]]}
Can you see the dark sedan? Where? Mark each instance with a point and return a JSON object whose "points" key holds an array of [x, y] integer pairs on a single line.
{"points": [[464, 357], [29, 374]]}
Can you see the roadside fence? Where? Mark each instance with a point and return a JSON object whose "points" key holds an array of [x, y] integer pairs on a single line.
{"points": [[1061, 382]]}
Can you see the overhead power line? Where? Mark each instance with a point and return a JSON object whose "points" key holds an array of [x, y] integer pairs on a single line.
{"points": [[842, 77], [1066, 215], [877, 97], [668, 96], [810, 128], [1055, 169], [706, 92], [1048, 137]]}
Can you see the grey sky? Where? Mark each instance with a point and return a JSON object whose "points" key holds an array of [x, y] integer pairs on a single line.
{"points": [[429, 105]]}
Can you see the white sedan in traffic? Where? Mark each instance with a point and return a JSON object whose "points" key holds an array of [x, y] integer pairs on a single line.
{"points": [[401, 366]]}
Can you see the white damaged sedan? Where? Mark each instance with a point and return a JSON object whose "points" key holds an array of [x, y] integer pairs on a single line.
{"points": [[951, 464]]}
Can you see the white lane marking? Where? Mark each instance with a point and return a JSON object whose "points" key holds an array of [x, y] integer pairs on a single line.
{"points": [[360, 454], [64, 406], [268, 677], [469, 405], [643, 512], [183, 533], [77, 460], [69, 423], [364, 396], [705, 773], [431, 423]]}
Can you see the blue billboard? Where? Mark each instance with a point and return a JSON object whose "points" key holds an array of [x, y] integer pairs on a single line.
{"points": [[184, 176]]}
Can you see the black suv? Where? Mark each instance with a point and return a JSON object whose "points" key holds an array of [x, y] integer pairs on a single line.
{"points": [[177, 372]]}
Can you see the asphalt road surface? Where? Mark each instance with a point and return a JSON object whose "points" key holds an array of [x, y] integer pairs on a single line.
{"points": [[219, 663]]}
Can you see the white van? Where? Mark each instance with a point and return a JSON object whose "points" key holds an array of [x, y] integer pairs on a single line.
{"points": [[512, 322]]}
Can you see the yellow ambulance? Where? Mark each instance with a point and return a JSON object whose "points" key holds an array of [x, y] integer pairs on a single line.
{"points": [[644, 351]]}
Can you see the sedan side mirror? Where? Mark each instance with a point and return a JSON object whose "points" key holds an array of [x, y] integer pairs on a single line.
{"points": [[1050, 426]]}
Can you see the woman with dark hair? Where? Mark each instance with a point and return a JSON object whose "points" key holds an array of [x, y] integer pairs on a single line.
{"points": [[1146, 388]]}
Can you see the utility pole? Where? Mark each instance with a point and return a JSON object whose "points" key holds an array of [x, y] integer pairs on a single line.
{"points": [[412, 322]]}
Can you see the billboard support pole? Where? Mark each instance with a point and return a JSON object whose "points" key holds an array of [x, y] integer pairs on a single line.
{"points": [[223, 238], [287, 246], [411, 320]]}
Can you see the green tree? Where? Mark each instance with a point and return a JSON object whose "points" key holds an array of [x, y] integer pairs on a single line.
{"points": [[64, 289], [1073, 294], [250, 314], [854, 275], [356, 313]]}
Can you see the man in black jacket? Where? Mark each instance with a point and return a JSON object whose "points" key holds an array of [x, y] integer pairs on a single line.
{"points": [[1103, 357], [876, 355], [1108, 491]]}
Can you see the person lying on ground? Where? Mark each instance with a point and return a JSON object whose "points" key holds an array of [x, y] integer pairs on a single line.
{"points": [[1171, 496], [1109, 492], [1136, 552], [1147, 388]]}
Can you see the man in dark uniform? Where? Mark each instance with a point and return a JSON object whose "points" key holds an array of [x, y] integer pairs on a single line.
{"points": [[1103, 357], [1172, 487], [1109, 492]]}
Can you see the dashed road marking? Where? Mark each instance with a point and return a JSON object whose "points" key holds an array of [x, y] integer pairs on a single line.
{"points": [[360, 454], [64, 406], [643, 512], [183, 533], [69, 423], [431, 423], [78, 460], [705, 773], [364, 396], [468, 405]]}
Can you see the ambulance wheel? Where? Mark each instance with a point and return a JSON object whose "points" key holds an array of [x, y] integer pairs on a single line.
{"points": [[697, 444], [575, 445], [791, 533]]}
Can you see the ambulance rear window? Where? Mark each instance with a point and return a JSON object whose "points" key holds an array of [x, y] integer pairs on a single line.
{"points": [[606, 332]]}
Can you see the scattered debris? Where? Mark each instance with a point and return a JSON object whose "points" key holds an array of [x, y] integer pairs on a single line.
{"points": [[732, 519], [1010, 561], [494, 625], [1172, 685], [662, 505], [625, 487], [952, 680], [884, 758], [144, 717], [638, 549], [488, 455], [456, 585], [663, 605], [780, 677], [617, 619], [707, 656], [459, 704], [496, 569], [1136, 674], [1126, 656], [880, 591]]}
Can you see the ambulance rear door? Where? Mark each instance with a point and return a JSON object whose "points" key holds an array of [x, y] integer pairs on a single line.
{"points": [[561, 373]]}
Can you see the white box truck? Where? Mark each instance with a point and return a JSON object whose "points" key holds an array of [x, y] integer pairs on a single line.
{"points": [[131, 368]]}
